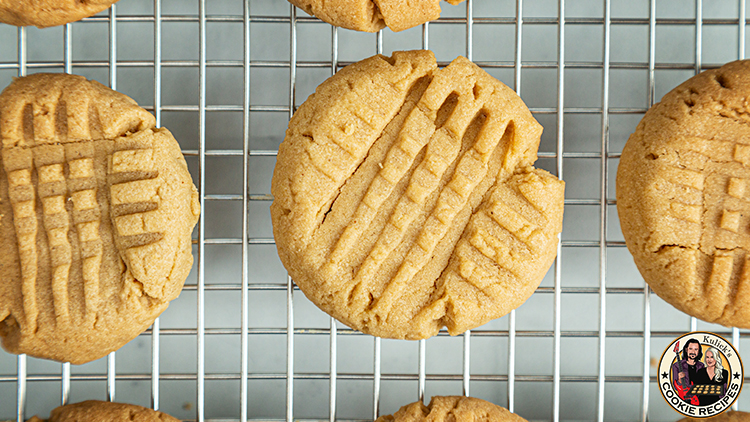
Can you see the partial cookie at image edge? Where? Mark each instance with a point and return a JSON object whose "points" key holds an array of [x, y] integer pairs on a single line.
{"points": [[373, 15], [98, 208], [47, 13], [452, 408], [682, 198], [94, 411]]}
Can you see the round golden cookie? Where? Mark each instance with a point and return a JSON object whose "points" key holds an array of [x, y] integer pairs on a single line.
{"points": [[731, 416], [683, 196], [452, 408], [96, 213], [46, 13], [405, 199], [373, 15], [98, 411]]}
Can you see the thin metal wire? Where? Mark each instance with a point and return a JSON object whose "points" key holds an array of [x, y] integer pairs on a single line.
{"points": [[68, 47], [290, 376], [467, 363], [350, 332], [470, 29], [113, 47], [333, 345], [156, 326], [566, 243], [741, 23], [422, 356], [477, 332], [201, 288], [443, 20], [493, 64], [377, 346], [422, 378], [604, 180], [21, 359], [111, 358], [376, 376], [111, 376], [64, 383], [21, 387], [333, 354], [290, 289], [467, 334], [68, 59], [157, 61], [736, 344], [559, 165], [646, 352], [740, 56], [426, 36], [698, 35], [646, 290], [490, 378], [512, 316], [245, 299], [698, 67]]}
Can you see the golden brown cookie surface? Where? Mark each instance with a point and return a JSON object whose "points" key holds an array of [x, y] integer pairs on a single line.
{"points": [[731, 416], [405, 199], [96, 411], [373, 15], [46, 13], [96, 212], [452, 408], [683, 196]]}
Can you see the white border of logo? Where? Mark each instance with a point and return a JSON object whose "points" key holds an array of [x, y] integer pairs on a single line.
{"points": [[734, 385]]}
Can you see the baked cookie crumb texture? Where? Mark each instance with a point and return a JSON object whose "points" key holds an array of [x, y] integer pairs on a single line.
{"points": [[96, 213], [46, 13], [93, 410], [452, 408], [373, 15], [731, 416], [683, 196], [405, 199]]}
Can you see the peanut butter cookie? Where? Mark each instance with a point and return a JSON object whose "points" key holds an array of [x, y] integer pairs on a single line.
{"points": [[97, 411], [46, 13], [373, 15], [405, 199], [452, 408], [96, 213], [683, 196]]}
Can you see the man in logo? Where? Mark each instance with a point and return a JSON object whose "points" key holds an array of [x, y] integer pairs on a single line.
{"points": [[685, 370]]}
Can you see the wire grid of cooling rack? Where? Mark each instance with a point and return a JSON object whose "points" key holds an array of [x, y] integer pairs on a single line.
{"points": [[529, 373]]}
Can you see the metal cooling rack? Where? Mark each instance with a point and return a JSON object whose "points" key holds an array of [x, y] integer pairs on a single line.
{"points": [[242, 343]]}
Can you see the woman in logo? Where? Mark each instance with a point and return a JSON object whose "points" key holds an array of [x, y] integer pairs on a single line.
{"points": [[712, 374]]}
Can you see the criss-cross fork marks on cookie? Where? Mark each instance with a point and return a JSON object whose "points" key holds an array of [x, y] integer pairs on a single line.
{"points": [[73, 206], [426, 200], [682, 196], [96, 207], [709, 199]]}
